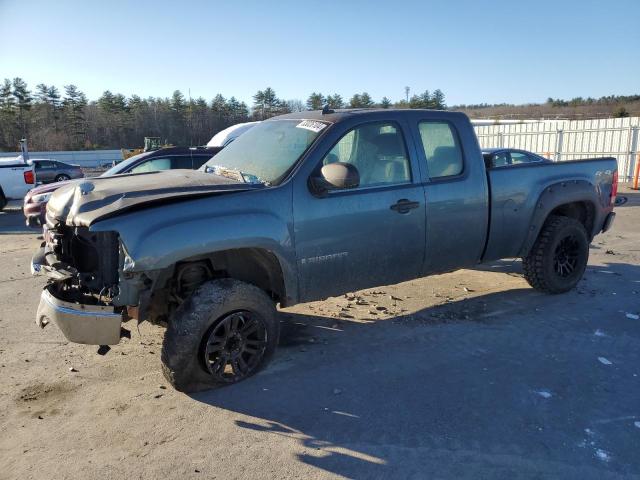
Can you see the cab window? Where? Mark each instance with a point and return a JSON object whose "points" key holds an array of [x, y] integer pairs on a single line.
{"points": [[377, 150], [501, 159], [519, 157], [182, 162], [153, 165], [441, 149]]}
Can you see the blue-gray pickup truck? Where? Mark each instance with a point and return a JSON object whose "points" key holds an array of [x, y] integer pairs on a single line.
{"points": [[303, 207]]}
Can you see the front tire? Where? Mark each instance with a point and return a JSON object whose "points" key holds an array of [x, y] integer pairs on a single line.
{"points": [[226, 331], [558, 257]]}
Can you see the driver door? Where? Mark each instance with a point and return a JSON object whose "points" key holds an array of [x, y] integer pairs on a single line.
{"points": [[366, 236]]}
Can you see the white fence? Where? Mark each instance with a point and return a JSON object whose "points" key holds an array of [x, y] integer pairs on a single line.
{"points": [[571, 139], [84, 158]]}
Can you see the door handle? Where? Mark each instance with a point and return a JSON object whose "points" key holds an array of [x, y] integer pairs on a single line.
{"points": [[404, 206]]}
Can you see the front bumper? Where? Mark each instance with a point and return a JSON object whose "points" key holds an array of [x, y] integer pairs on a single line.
{"points": [[89, 324]]}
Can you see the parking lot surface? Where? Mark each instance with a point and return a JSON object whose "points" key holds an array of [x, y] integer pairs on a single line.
{"points": [[470, 374]]}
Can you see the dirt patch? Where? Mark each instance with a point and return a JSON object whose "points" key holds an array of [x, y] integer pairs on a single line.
{"points": [[42, 392]]}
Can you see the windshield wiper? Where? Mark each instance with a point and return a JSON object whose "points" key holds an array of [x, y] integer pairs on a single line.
{"points": [[235, 174]]}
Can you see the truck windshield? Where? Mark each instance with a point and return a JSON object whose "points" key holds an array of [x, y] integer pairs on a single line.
{"points": [[266, 153]]}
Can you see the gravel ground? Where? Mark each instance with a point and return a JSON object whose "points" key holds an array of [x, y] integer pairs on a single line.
{"points": [[471, 374]]}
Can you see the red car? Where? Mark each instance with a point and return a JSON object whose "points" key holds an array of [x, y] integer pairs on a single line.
{"points": [[35, 203]]}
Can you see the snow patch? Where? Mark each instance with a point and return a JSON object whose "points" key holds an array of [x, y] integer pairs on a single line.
{"points": [[599, 333], [637, 424], [602, 455], [633, 316], [604, 361], [544, 393]]}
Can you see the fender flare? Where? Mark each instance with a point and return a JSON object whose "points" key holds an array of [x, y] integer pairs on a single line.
{"points": [[554, 196]]}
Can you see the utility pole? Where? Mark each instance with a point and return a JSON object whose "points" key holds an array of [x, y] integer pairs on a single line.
{"points": [[406, 93], [24, 150]]}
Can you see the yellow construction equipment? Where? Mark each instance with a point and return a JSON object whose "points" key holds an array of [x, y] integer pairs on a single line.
{"points": [[150, 143]]}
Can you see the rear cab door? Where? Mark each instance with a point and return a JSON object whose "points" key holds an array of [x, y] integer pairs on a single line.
{"points": [[455, 190]]}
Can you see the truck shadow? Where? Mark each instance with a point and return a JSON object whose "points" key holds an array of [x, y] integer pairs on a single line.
{"points": [[627, 198], [441, 390]]}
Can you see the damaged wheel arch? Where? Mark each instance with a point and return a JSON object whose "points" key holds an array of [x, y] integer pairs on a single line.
{"points": [[256, 266]]}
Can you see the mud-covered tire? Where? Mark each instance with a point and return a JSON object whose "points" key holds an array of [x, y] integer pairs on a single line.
{"points": [[185, 341], [541, 265]]}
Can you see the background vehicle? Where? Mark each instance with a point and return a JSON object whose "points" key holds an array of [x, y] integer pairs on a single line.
{"points": [[48, 171], [35, 202], [501, 157], [150, 144], [16, 178], [229, 134], [302, 207]]}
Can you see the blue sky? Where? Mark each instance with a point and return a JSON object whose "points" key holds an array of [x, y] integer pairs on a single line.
{"points": [[475, 51]]}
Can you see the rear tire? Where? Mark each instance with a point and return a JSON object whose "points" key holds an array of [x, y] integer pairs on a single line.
{"points": [[226, 331], [62, 178], [558, 257]]}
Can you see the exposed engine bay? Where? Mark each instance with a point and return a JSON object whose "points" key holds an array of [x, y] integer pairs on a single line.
{"points": [[82, 265]]}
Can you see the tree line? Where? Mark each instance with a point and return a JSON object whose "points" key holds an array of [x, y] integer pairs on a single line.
{"points": [[577, 107], [53, 120]]}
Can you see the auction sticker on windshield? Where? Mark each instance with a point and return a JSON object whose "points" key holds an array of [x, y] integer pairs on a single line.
{"points": [[311, 125]]}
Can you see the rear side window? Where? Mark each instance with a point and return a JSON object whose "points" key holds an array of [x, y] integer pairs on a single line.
{"points": [[501, 159], [153, 165], [181, 162], [441, 149], [519, 157], [199, 160]]}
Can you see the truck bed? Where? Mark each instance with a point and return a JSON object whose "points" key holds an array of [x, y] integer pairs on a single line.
{"points": [[517, 193]]}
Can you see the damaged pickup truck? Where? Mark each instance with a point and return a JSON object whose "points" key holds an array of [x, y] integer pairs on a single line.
{"points": [[302, 207]]}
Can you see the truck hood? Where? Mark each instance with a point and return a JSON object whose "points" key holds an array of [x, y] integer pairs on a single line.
{"points": [[81, 203]]}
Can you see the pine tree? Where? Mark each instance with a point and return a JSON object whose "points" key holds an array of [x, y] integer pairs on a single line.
{"points": [[219, 111], [74, 104], [42, 93], [361, 100], [355, 101], [421, 101], [385, 102], [9, 135], [266, 104], [23, 102], [366, 100], [315, 101], [437, 100], [335, 101], [258, 105]]}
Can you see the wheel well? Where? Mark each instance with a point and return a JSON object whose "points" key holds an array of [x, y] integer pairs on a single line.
{"points": [[256, 266], [583, 211]]}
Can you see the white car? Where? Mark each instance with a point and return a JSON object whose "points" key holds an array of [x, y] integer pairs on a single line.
{"points": [[229, 134], [16, 179]]}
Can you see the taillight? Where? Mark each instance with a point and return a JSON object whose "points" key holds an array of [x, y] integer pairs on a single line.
{"points": [[614, 187], [28, 176]]}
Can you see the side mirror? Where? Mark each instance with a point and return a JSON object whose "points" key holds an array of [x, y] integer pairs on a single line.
{"points": [[336, 176]]}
